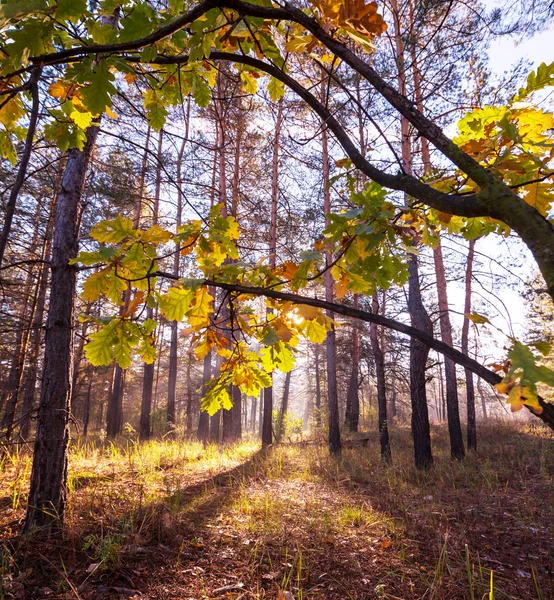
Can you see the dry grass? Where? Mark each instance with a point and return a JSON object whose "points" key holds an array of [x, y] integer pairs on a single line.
{"points": [[174, 520]]}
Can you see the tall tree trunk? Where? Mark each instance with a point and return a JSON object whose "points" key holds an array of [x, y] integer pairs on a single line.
{"points": [[48, 489], [27, 312], [452, 409], [352, 398], [145, 429], [418, 359], [284, 408], [381, 386], [86, 415], [470, 390], [31, 374], [114, 418], [331, 340], [204, 419], [267, 425], [189, 408], [172, 376], [317, 389], [418, 315]]}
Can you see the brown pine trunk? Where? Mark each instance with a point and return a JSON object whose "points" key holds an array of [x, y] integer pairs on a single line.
{"points": [[48, 489], [284, 408], [381, 386], [470, 390], [317, 389], [203, 431], [86, 415], [267, 425], [145, 428], [352, 399], [452, 409], [418, 360], [25, 320], [331, 340]]}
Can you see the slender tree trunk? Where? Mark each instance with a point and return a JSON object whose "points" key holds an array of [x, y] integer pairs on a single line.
{"points": [[172, 376], [48, 489], [352, 399], [470, 391], [317, 389], [86, 416], [145, 429], [284, 408], [452, 409], [331, 340], [204, 419], [189, 394], [26, 318], [267, 424], [418, 359], [381, 386]]}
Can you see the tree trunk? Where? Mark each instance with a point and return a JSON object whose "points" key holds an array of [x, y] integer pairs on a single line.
{"points": [[317, 389], [470, 391], [284, 408], [331, 340], [452, 409], [86, 416], [204, 419], [267, 425], [48, 489], [418, 359], [381, 386], [172, 376], [145, 430], [352, 399], [26, 318]]}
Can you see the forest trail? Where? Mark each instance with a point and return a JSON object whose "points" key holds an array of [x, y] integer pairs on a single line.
{"points": [[171, 521]]}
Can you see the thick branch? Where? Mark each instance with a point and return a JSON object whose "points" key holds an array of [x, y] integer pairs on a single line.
{"points": [[461, 359], [467, 206]]}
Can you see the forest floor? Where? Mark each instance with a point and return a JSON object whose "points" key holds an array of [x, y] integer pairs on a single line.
{"points": [[171, 520]]}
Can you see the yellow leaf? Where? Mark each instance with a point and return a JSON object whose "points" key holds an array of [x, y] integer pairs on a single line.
{"points": [[81, 119]]}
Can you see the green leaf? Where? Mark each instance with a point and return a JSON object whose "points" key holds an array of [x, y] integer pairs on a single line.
{"points": [[97, 94], [537, 80], [201, 92]]}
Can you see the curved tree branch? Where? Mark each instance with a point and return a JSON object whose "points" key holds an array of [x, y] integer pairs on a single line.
{"points": [[455, 355]]}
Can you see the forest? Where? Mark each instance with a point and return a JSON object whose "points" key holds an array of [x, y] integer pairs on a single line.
{"points": [[277, 299]]}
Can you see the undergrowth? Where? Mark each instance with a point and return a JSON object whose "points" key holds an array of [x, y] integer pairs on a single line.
{"points": [[200, 522]]}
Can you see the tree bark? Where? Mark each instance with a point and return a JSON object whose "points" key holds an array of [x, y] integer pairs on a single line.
{"points": [[284, 408], [145, 430], [452, 408], [48, 488], [470, 390], [204, 419], [381, 386], [352, 398], [418, 359]]}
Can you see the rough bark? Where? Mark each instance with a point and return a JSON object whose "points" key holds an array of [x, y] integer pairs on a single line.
{"points": [[452, 406], [418, 359], [149, 370], [381, 386], [203, 431], [352, 416], [48, 488], [470, 390], [284, 408], [331, 341]]}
